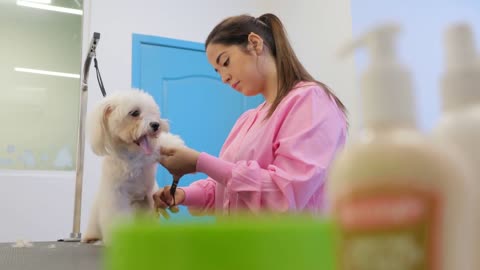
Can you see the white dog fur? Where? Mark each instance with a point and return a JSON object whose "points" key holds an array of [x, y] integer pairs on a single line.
{"points": [[126, 129]]}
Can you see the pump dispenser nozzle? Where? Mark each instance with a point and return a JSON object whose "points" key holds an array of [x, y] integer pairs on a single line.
{"points": [[461, 79], [380, 43], [386, 87]]}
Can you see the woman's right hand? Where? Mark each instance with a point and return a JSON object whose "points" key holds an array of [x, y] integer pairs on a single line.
{"points": [[163, 199]]}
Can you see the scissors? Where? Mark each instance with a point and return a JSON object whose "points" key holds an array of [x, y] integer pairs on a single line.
{"points": [[173, 189], [174, 207]]}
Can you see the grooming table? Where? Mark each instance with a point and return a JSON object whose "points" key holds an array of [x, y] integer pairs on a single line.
{"points": [[51, 256]]}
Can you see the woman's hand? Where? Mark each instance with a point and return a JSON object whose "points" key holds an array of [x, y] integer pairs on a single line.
{"points": [[163, 199], [180, 160]]}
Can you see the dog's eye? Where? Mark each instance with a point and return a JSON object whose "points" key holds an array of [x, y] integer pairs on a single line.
{"points": [[135, 113]]}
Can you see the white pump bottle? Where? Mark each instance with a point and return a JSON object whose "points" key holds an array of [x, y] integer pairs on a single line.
{"points": [[459, 126], [395, 196]]}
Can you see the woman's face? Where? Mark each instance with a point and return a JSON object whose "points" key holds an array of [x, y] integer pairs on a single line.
{"points": [[238, 67]]}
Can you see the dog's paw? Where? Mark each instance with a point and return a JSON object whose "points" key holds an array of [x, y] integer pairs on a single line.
{"points": [[167, 139]]}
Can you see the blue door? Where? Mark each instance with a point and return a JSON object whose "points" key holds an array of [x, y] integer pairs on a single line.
{"points": [[200, 108]]}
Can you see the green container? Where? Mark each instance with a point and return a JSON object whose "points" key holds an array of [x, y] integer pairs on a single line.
{"points": [[276, 243]]}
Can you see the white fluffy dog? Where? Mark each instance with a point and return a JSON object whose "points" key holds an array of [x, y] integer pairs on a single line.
{"points": [[127, 130]]}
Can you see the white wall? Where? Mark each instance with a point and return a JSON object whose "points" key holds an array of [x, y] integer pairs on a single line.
{"points": [[36, 206], [316, 29]]}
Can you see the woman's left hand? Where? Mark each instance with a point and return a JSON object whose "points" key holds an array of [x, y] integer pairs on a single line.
{"points": [[179, 160]]}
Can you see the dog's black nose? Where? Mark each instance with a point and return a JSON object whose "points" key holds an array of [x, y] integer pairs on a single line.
{"points": [[154, 125]]}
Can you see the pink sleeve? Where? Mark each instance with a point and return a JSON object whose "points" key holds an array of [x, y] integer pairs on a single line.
{"points": [[310, 133], [200, 196]]}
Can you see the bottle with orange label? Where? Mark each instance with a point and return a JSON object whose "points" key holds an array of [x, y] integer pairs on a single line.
{"points": [[396, 197]]}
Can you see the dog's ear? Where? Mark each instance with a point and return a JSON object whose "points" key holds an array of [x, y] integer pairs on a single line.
{"points": [[164, 126], [98, 125]]}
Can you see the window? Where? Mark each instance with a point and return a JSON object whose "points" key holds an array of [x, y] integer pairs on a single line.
{"points": [[40, 63]]}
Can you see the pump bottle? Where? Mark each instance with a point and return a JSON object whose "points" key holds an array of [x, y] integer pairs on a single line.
{"points": [[458, 129], [395, 196]]}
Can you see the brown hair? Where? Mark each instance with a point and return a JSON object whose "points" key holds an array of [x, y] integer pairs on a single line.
{"points": [[235, 30]]}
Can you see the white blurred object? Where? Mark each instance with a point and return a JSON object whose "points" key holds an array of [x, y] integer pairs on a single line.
{"points": [[460, 80], [386, 85], [393, 182], [458, 129], [460, 51], [22, 244]]}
